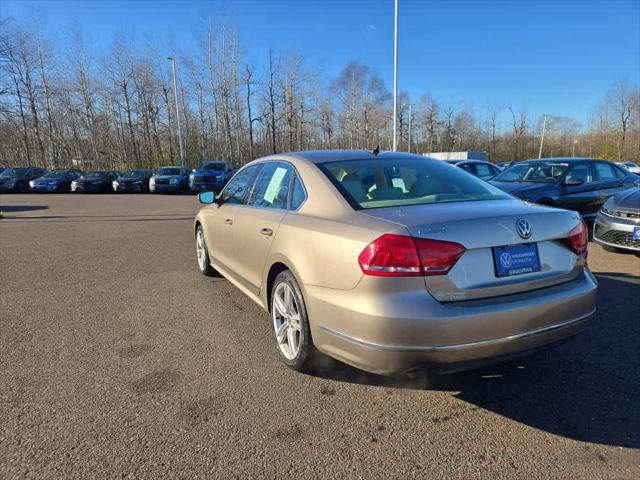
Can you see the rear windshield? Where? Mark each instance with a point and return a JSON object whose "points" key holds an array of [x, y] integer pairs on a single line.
{"points": [[537, 172], [13, 172], [385, 182]]}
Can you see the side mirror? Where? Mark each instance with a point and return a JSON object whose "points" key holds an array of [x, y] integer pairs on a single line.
{"points": [[573, 182], [206, 198]]}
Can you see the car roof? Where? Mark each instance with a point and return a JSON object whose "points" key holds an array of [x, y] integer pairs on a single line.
{"points": [[322, 156], [170, 166], [565, 159]]}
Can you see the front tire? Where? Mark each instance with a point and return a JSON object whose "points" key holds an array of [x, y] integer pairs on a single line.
{"points": [[202, 254], [290, 322]]}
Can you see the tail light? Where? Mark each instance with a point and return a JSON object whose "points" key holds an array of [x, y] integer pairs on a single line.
{"points": [[578, 239], [403, 256]]}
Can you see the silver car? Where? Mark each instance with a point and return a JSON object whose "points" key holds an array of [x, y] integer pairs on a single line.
{"points": [[617, 224], [391, 262]]}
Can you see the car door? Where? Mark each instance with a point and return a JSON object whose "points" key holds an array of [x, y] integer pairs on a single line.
{"points": [[257, 224], [219, 217], [581, 198]]}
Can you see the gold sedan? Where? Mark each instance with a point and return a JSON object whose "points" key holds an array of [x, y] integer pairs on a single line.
{"points": [[391, 262]]}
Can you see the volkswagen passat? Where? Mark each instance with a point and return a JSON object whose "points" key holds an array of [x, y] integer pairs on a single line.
{"points": [[391, 262]]}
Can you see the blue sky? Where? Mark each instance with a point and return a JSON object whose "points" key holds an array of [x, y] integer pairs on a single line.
{"points": [[556, 57]]}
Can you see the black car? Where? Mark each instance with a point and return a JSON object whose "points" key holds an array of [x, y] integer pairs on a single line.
{"points": [[17, 179], [97, 182], [479, 168], [58, 180], [133, 181], [579, 184]]}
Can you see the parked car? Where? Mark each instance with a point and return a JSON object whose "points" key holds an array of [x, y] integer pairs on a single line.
{"points": [[58, 180], [579, 184], [210, 176], [632, 167], [617, 225], [429, 267], [169, 180], [479, 168], [17, 179], [95, 182], [132, 181]]}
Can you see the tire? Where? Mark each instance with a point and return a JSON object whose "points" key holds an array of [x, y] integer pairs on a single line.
{"points": [[202, 254], [290, 322]]}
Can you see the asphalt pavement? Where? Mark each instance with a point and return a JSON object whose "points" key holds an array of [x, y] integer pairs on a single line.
{"points": [[118, 359]]}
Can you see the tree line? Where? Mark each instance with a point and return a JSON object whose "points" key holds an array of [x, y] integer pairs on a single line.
{"points": [[63, 105]]}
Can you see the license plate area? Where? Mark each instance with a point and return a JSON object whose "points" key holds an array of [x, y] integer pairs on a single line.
{"points": [[510, 260]]}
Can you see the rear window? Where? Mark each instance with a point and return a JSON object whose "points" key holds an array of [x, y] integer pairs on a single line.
{"points": [[388, 182]]}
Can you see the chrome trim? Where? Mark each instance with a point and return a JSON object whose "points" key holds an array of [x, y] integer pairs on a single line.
{"points": [[459, 346]]}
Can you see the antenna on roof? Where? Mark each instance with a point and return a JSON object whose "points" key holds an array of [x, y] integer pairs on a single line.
{"points": [[376, 150]]}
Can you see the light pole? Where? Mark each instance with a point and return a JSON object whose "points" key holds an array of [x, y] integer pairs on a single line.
{"points": [[575, 142], [395, 79], [544, 126], [175, 94], [409, 142]]}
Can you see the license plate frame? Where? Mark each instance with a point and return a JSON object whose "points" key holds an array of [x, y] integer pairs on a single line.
{"points": [[517, 259]]}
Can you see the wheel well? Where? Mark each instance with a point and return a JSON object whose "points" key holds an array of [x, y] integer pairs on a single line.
{"points": [[195, 228], [547, 201], [275, 269]]}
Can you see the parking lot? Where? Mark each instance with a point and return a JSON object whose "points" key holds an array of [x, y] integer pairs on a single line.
{"points": [[119, 359]]}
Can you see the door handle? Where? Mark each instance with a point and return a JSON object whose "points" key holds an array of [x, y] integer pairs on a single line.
{"points": [[267, 232], [228, 221]]}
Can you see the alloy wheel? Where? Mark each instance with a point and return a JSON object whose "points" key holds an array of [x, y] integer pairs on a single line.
{"points": [[286, 320]]}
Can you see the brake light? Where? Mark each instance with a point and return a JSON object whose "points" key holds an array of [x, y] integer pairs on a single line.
{"points": [[403, 256], [578, 239], [438, 257]]}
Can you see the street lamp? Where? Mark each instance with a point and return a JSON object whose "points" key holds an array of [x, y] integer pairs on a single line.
{"points": [[395, 79], [410, 118], [175, 94], [544, 127], [575, 142]]}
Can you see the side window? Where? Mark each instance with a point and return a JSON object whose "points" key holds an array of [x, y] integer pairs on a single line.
{"points": [[272, 186], [466, 167], [619, 172], [604, 171], [484, 171], [236, 189], [297, 193], [580, 172]]}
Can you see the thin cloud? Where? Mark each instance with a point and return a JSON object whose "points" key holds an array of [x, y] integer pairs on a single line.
{"points": [[371, 28]]}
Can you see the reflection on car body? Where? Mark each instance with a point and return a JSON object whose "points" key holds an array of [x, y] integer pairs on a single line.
{"points": [[392, 262]]}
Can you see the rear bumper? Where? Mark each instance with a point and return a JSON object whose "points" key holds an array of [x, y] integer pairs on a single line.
{"points": [[615, 232], [445, 337]]}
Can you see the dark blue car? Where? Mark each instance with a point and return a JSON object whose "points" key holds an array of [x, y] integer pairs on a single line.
{"points": [[210, 176], [579, 184], [58, 180]]}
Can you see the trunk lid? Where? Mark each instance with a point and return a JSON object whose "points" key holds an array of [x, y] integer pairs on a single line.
{"points": [[479, 227]]}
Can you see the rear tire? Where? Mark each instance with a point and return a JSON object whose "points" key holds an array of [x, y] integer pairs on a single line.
{"points": [[290, 322], [202, 254]]}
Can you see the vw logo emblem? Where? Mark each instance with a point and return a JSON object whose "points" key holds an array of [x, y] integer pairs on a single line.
{"points": [[523, 228], [505, 260]]}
